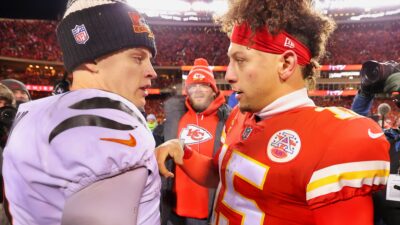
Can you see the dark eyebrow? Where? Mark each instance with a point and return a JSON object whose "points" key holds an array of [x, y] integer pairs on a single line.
{"points": [[143, 52], [234, 54]]}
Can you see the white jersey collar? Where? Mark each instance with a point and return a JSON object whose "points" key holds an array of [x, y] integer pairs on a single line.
{"points": [[287, 102]]}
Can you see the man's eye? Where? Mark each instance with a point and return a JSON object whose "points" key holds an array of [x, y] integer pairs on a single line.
{"points": [[239, 60], [138, 59]]}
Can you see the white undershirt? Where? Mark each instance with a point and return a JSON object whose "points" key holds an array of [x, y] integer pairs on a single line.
{"points": [[287, 102]]}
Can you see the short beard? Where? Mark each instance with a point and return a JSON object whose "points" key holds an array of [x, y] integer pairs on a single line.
{"points": [[199, 108]]}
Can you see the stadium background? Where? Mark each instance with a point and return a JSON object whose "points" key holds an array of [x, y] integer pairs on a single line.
{"points": [[367, 30]]}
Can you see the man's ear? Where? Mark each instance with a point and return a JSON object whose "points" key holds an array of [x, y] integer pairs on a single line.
{"points": [[289, 62], [91, 66]]}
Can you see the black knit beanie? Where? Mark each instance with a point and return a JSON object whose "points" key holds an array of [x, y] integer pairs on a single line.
{"points": [[94, 28]]}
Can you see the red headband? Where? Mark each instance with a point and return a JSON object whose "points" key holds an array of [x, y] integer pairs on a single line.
{"points": [[264, 41]]}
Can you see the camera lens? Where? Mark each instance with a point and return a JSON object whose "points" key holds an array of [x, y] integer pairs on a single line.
{"points": [[7, 115], [371, 71]]}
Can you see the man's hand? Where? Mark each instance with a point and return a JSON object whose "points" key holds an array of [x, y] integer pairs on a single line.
{"points": [[172, 148]]}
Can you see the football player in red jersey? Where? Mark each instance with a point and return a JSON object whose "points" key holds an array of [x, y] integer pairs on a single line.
{"points": [[285, 160]]}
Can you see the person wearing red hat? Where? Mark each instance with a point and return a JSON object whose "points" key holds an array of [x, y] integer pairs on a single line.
{"points": [[198, 121], [284, 160]]}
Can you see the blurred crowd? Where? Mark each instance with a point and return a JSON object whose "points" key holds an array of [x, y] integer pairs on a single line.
{"points": [[180, 45], [29, 39], [356, 43], [155, 106], [392, 119]]}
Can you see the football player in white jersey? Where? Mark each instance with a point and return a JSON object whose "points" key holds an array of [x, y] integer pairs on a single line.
{"points": [[87, 156]]}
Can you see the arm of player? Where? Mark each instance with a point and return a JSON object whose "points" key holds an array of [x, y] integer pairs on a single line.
{"points": [[206, 176], [356, 211], [113, 200], [200, 168]]}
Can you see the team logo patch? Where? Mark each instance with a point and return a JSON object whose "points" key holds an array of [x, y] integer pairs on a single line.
{"points": [[80, 34], [193, 134], [283, 146], [246, 133], [139, 24], [198, 76]]}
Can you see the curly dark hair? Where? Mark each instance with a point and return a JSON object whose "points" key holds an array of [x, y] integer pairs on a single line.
{"points": [[296, 17]]}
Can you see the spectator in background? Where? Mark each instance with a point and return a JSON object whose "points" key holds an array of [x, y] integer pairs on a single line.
{"points": [[158, 133], [87, 156], [197, 120], [19, 89], [281, 162], [7, 102], [7, 113], [6, 96], [62, 86], [156, 128], [151, 121]]}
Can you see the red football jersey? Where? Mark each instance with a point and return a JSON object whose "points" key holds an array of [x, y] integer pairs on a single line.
{"points": [[277, 170]]}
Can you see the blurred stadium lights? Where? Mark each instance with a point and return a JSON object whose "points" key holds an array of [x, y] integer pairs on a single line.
{"points": [[158, 7], [348, 4], [173, 9], [375, 15]]}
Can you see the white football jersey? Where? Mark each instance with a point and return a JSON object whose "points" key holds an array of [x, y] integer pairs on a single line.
{"points": [[64, 143]]}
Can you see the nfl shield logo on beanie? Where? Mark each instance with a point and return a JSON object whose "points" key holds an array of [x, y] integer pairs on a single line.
{"points": [[80, 34], [94, 28]]}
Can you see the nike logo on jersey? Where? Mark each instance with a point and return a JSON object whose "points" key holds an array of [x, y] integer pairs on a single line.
{"points": [[374, 135], [131, 142]]}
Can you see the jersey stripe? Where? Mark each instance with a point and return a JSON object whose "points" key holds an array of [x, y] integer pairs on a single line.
{"points": [[355, 174], [87, 120], [336, 187], [349, 167], [105, 103], [223, 136], [221, 156]]}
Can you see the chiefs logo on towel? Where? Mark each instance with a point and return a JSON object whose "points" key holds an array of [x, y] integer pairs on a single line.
{"points": [[193, 134]]}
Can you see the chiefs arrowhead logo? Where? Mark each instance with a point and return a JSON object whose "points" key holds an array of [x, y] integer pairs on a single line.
{"points": [[198, 76], [193, 134]]}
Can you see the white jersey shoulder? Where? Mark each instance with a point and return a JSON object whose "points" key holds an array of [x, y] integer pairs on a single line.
{"points": [[64, 143]]}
